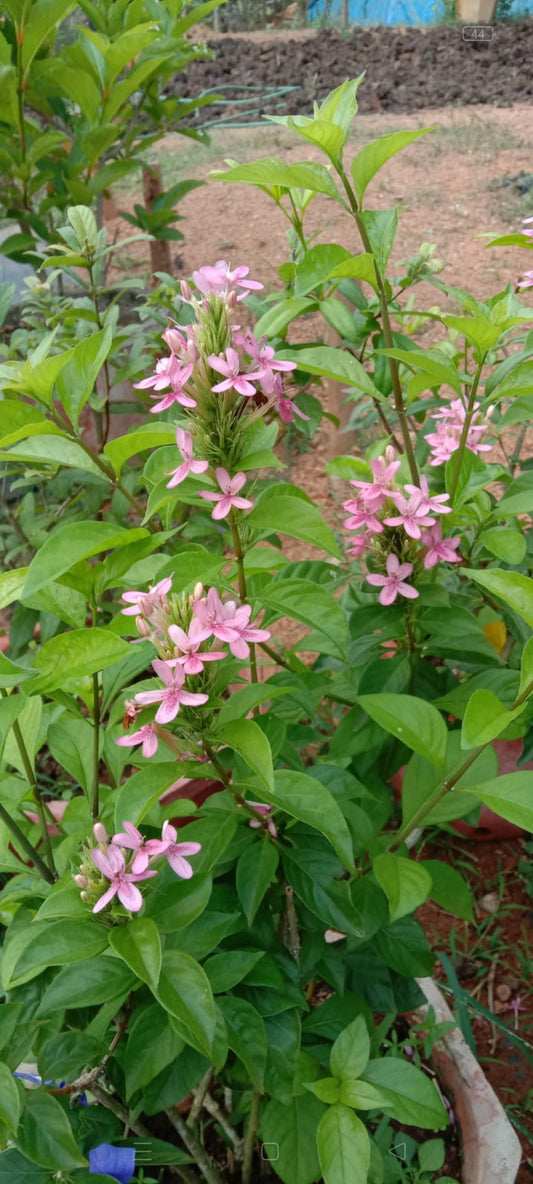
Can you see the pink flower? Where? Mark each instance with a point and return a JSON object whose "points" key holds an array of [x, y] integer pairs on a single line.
{"points": [[392, 584], [430, 502], [445, 441], [525, 222], [245, 633], [146, 602], [358, 544], [233, 379], [135, 841], [192, 661], [215, 616], [230, 487], [527, 281], [412, 514], [113, 865], [272, 384], [147, 736], [171, 696], [175, 851], [261, 808], [184, 443], [263, 355], [169, 372], [376, 491], [219, 279], [363, 515], [439, 548], [57, 808]]}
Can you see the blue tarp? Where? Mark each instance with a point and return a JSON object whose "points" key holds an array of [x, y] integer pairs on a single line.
{"points": [[404, 12]]}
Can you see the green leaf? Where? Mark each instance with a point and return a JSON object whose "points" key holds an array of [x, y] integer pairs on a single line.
{"points": [[49, 943], [507, 545], [152, 1045], [11, 585], [75, 655], [70, 544], [185, 992], [448, 889], [411, 1097], [331, 362], [288, 1131], [381, 227], [242, 701], [343, 1146], [404, 947], [432, 1155], [141, 791], [40, 21], [413, 721], [225, 970], [514, 589], [303, 797], [340, 105], [139, 946], [249, 741], [77, 380], [272, 171], [45, 1134], [149, 436], [314, 606], [54, 449], [327, 136], [485, 718], [373, 156], [275, 320], [509, 796], [10, 1016], [71, 744], [175, 903], [422, 778], [246, 1036], [96, 981], [11, 673], [351, 1050], [526, 667], [10, 1100], [327, 1089], [317, 265], [256, 868], [405, 883], [360, 1095], [67, 1053], [295, 517]]}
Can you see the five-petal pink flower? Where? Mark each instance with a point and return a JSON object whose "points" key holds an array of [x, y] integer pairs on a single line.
{"points": [[393, 583], [146, 735], [175, 852], [229, 366], [146, 602], [220, 279], [133, 840], [172, 695], [193, 659], [229, 497], [439, 548], [190, 465], [265, 811], [113, 865], [245, 632]]}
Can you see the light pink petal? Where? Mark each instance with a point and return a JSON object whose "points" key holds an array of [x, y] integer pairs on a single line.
{"points": [[169, 707], [376, 580], [107, 896], [145, 698], [179, 637], [178, 475], [156, 846], [129, 896], [224, 480], [242, 503], [180, 866], [388, 594], [140, 862], [406, 590], [222, 508], [184, 442], [193, 700], [169, 833]]}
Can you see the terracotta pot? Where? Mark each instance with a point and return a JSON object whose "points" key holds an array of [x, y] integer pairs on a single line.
{"points": [[491, 1149]]}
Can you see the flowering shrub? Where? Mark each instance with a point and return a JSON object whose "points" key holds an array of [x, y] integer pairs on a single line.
{"points": [[207, 960]]}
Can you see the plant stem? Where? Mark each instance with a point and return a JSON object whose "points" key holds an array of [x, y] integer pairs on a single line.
{"points": [[464, 434], [243, 593], [207, 1167], [96, 747], [199, 1095], [27, 847], [222, 772], [102, 420], [448, 784], [251, 1132], [387, 331], [30, 778]]}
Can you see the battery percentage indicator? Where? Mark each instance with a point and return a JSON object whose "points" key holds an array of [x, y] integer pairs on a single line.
{"points": [[477, 32]]}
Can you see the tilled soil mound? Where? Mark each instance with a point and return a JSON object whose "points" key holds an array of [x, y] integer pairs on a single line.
{"points": [[406, 69]]}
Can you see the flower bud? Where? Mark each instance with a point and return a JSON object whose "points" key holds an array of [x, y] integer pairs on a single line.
{"points": [[84, 896], [174, 340], [143, 627], [185, 290], [100, 833], [232, 300], [81, 881], [390, 454], [490, 412], [198, 591]]}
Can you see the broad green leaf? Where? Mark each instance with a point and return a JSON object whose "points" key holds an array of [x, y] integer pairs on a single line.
{"points": [[149, 436], [373, 156], [52, 449], [405, 883], [288, 1133], [175, 903], [381, 227], [314, 606], [246, 1036], [413, 721], [225, 970], [272, 171], [41, 19], [11, 673], [340, 105], [71, 744], [11, 585], [351, 1050], [139, 946], [75, 655], [16, 1169], [485, 718], [295, 517], [152, 1045], [67, 1053], [141, 791], [242, 701], [70, 544], [437, 370], [87, 984], [422, 778], [256, 868], [405, 948], [360, 1095], [327, 1089], [29, 721], [327, 136], [330, 362], [343, 1146], [303, 797], [184, 991], [411, 1097], [509, 795], [513, 588], [10, 1016], [448, 889], [77, 380], [10, 1100], [507, 545], [49, 943], [317, 265], [526, 667], [45, 1135], [248, 740], [275, 320]]}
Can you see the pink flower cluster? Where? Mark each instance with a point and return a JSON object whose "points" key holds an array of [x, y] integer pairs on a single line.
{"points": [[211, 618], [445, 441], [527, 281], [124, 873], [379, 505]]}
